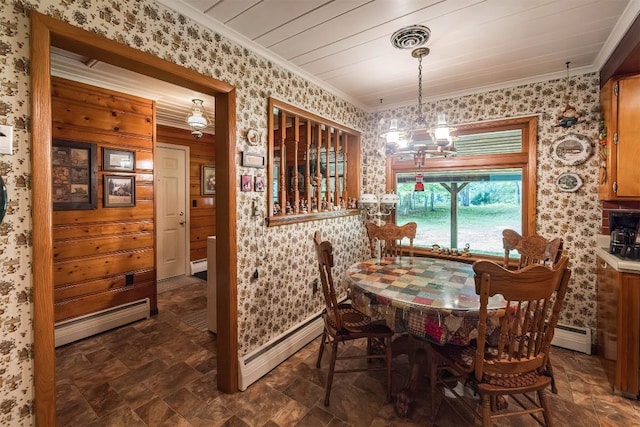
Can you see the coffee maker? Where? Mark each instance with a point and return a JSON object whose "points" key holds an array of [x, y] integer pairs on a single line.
{"points": [[625, 234]]}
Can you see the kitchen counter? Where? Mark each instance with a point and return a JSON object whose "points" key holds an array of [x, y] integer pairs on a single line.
{"points": [[602, 250]]}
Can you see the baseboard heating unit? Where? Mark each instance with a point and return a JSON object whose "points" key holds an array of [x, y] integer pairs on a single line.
{"points": [[572, 338], [198, 265], [80, 327], [262, 360]]}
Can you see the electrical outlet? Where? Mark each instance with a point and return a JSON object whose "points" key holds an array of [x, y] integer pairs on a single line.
{"points": [[315, 286]]}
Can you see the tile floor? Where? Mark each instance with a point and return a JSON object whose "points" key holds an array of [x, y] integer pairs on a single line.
{"points": [[162, 372]]}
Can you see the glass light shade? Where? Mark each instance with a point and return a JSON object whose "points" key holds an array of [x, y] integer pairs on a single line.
{"points": [[389, 200], [442, 130], [368, 200], [197, 119], [393, 137]]}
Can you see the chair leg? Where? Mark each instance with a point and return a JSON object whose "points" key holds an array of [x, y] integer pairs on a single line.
{"points": [[544, 402], [549, 368], [332, 366], [388, 360], [433, 383], [486, 410], [322, 344]]}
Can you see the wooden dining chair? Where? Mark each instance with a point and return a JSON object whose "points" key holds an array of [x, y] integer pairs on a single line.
{"points": [[533, 249], [514, 365], [343, 323], [390, 237]]}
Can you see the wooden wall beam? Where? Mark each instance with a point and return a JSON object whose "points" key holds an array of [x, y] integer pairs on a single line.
{"points": [[625, 58]]}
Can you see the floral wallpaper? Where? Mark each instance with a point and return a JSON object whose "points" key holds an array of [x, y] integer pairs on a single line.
{"points": [[573, 216], [282, 295]]}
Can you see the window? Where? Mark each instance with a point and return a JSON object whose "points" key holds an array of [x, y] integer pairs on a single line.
{"points": [[471, 198]]}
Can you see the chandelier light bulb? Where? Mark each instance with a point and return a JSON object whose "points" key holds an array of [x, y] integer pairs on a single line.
{"points": [[442, 130], [393, 136]]}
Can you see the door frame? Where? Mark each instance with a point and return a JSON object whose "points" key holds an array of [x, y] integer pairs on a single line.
{"points": [[187, 209], [47, 32]]}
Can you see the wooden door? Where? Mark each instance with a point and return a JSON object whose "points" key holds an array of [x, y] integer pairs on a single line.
{"points": [[172, 221], [628, 178]]}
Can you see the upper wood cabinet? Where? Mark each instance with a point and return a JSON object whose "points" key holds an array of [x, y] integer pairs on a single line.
{"points": [[313, 166], [619, 171]]}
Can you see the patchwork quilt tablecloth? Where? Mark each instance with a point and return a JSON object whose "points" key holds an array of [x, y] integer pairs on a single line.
{"points": [[431, 298]]}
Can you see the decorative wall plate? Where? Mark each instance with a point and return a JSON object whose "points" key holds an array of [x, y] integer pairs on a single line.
{"points": [[569, 182], [571, 149], [253, 137]]}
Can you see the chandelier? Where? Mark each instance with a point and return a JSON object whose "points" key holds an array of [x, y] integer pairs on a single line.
{"points": [[197, 118], [420, 139]]}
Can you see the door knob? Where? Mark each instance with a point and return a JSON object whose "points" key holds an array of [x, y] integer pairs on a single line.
{"points": [[182, 222]]}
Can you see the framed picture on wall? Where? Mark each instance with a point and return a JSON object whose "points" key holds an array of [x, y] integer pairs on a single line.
{"points": [[74, 175], [208, 180], [260, 183], [118, 160], [119, 191], [246, 182], [253, 160]]}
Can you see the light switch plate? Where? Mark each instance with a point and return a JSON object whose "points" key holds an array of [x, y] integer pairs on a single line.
{"points": [[6, 139]]}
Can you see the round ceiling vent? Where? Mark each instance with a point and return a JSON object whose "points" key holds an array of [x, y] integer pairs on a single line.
{"points": [[410, 37]]}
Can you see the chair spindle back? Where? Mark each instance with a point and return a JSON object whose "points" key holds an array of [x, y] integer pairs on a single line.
{"points": [[533, 249], [391, 235], [534, 296]]}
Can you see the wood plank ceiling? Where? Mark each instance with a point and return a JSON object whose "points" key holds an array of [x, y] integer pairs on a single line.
{"points": [[474, 43], [344, 45]]}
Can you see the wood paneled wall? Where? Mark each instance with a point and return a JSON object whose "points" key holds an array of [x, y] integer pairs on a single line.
{"points": [[202, 208], [105, 257]]}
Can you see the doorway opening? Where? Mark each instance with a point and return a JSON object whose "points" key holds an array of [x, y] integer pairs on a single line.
{"points": [[47, 32]]}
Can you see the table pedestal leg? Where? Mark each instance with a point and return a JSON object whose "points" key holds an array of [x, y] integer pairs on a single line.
{"points": [[418, 361]]}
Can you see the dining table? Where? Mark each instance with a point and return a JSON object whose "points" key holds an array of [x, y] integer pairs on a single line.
{"points": [[424, 300]]}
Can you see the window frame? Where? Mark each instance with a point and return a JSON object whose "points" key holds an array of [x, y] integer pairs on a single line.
{"points": [[526, 160]]}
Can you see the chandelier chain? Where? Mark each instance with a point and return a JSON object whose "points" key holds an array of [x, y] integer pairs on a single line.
{"points": [[420, 85], [567, 89]]}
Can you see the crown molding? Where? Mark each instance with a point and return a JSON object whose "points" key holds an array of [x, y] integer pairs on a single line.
{"points": [[622, 26]]}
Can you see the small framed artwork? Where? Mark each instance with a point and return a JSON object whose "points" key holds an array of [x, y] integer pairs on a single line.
{"points": [[74, 170], [571, 149], [253, 160], [119, 191], [569, 182], [118, 160], [246, 182], [208, 180], [259, 183]]}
